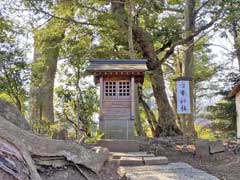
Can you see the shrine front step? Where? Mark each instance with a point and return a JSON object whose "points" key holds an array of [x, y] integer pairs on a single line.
{"points": [[140, 161], [116, 145], [118, 155]]}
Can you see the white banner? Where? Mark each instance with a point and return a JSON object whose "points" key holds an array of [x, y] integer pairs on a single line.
{"points": [[183, 97]]}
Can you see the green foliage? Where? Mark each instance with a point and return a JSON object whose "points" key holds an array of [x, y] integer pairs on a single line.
{"points": [[169, 31], [76, 100], [95, 136], [205, 133], [223, 114], [13, 68], [223, 117], [79, 30], [43, 127], [204, 68]]}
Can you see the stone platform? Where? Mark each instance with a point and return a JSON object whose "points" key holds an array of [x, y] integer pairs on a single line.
{"points": [[172, 171], [143, 166], [118, 155], [137, 159]]}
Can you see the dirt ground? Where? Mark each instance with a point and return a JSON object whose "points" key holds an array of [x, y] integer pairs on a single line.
{"points": [[109, 171], [225, 166]]}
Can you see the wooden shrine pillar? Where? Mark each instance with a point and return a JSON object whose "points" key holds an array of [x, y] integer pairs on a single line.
{"points": [[132, 98], [101, 96]]}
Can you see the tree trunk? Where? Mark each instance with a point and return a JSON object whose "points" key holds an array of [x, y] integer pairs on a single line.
{"points": [[236, 41], [130, 33], [151, 119], [166, 119], [188, 63], [46, 52], [138, 122]]}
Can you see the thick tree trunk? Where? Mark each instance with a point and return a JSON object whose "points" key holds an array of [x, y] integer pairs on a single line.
{"points": [[46, 52], [151, 119], [188, 63], [167, 125], [166, 118], [138, 122], [130, 32], [236, 41]]}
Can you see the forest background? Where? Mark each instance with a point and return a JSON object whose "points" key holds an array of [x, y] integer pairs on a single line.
{"points": [[45, 47]]}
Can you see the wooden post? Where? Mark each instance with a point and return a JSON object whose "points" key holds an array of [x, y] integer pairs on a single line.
{"points": [[132, 98], [101, 96], [237, 101]]}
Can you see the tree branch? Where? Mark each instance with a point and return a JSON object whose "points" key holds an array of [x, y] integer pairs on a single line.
{"points": [[170, 51], [66, 19], [172, 9], [165, 46], [202, 6], [68, 119]]}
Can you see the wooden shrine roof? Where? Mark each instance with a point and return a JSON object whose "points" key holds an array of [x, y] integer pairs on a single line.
{"points": [[109, 65], [234, 90]]}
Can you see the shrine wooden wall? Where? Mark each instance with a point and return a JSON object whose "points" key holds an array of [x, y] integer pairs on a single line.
{"points": [[116, 111]]}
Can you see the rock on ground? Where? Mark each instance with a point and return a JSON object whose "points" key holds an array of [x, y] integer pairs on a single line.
{"points": [[23, 154], [172, 171], [12, 114]]}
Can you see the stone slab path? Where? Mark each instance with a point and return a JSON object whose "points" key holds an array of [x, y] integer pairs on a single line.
{"points": [[138, 159], [171, 171], [118, 155]]}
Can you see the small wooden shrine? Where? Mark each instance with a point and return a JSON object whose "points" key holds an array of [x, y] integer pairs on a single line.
{"points": [[119, 80]]}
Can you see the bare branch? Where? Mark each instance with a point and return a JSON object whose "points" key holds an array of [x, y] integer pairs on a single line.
{"points": [[172, 9], [88, 7], [68, 119], [165, 46], [202, 6], [66, 19], [217, 45], [184, 41]]}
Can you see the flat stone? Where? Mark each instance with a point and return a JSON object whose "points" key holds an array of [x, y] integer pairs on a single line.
{"points": [[131, 161], [155, 160], [118, 155], [13, 115], [172, 171], [216, 147]]}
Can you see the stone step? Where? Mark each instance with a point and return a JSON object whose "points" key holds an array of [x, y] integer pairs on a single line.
{"points": [[131, 161], [171, 171], [116, 145], [155, 160], [140, 160], [118, 155]]}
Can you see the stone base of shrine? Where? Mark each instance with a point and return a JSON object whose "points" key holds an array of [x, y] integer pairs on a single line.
{"points": [[116, 145], [117, 129]]}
